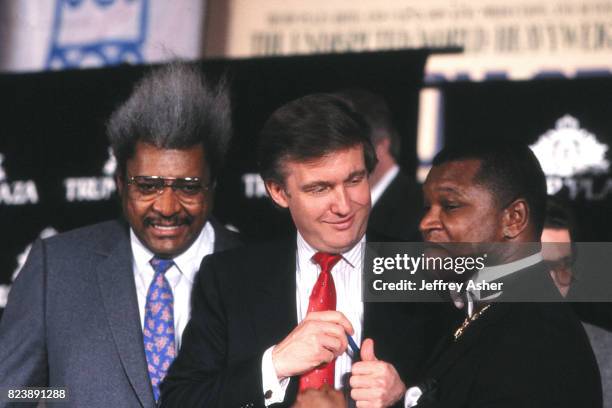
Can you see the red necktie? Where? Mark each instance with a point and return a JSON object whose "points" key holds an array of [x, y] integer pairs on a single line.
{"points": [[323, 297]]}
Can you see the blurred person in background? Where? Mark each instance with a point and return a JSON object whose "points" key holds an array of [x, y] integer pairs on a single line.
{"points": [[558, 252], [396, 197]]}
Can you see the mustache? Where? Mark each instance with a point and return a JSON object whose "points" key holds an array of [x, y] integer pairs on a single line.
{"points": [[172, 221]]}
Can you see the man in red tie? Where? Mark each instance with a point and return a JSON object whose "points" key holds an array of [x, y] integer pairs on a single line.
{"points": [[275, 319]]}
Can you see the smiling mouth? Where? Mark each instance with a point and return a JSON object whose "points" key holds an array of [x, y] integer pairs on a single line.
{"points": [[343, 224], [166, 228], [161, 231]]}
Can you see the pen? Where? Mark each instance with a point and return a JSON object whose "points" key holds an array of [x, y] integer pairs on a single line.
{"points": [[353, 346]]}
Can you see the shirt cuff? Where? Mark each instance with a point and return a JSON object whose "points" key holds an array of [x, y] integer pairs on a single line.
{"points": [[273, 388], [412, 396]]}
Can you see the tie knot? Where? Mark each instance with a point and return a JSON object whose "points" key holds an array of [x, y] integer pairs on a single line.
{"points": [[161, 265], [326, 261]]}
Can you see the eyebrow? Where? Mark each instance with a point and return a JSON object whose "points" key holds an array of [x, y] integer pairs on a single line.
{"points": [[443, 189], [321, 183], [357, 173], [449, 189], [314, 184]]}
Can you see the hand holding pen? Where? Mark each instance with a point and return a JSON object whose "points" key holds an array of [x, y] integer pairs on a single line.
{"points": [[316, 340]]}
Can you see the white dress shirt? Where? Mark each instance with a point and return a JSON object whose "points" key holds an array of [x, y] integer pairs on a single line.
{"points": [[347, 280], [180, 276]]}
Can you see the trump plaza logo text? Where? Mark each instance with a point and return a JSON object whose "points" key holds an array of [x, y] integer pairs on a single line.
{"points": [[93, 188], [18, 192]]}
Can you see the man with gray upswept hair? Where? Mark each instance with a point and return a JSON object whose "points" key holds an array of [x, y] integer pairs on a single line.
{"points": [[101, 310]]}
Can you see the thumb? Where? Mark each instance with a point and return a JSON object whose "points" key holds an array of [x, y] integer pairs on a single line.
{"points": [[367, 350]]}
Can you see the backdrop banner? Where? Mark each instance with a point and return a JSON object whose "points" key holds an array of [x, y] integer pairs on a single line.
{"points": [[58, 34], [512, 39]]}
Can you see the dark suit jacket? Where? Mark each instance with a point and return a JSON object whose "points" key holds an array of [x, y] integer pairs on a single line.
{"points": [[72, 319], [516, 355], [243, 303], [398, 211]]}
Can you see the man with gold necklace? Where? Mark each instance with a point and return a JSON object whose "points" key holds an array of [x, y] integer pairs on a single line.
{"points": [[520, 347]]}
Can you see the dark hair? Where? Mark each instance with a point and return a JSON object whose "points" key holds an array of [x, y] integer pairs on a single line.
{"points": [[173, 107], [309, 128], [509, 171], [559, 215], [377, 114]]}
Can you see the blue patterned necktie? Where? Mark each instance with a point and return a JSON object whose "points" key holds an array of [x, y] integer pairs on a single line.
{"points": [[158, 330]]}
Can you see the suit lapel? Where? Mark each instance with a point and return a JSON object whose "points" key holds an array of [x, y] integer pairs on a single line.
{"points": [[224, 239], [396, 328], [519, 282], [274, 291], [116, 282], [275, 310], [381, 323], [449, 356]]}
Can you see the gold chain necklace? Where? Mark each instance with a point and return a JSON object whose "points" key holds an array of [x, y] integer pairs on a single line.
{"points": [[468, 320]]}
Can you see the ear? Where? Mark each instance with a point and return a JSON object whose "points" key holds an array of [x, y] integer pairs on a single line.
{"points": [[382, 146], [383, 142], [515, 219], [277, 193]]}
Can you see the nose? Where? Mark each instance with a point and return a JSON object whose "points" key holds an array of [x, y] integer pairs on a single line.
{"points": [[341, 204], [167, 203], [430, 222]]}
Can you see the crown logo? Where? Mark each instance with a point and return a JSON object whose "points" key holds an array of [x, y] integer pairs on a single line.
{"points": [[568, 150]]}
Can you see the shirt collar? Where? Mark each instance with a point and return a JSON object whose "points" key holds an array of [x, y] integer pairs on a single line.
{"points": [[188, 263], [492, 274], [379, 188], [352, 257]]}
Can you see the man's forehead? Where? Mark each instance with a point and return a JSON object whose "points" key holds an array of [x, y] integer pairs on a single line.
{"points": [[142, 147], [556, 235], [556, 243], [454, 174], [167, 162], [335, 165]]}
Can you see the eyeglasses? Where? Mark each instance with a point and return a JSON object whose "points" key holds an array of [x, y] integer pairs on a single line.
{"points": [[187, 189]]}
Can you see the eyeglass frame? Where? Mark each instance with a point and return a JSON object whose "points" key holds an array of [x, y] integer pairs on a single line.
{"points": [[170, 182]]}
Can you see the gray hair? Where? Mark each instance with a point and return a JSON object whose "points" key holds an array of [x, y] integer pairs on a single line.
{"points": [[173, 107]]}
